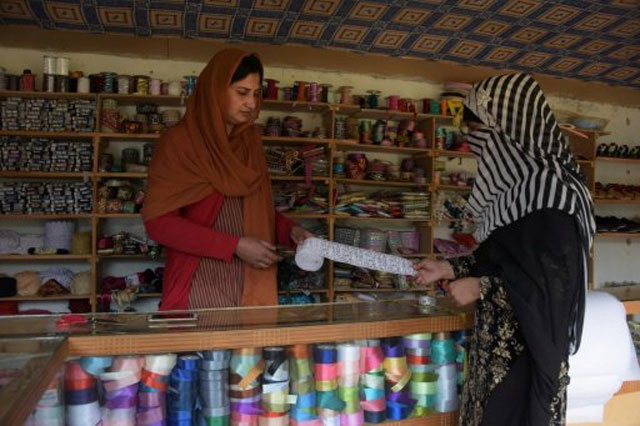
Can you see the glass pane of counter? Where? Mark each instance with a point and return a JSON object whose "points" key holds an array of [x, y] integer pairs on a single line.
{"points": [[226, 319]]}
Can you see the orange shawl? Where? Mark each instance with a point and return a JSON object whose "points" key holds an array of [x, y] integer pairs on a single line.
{"points": [[196, 158]]}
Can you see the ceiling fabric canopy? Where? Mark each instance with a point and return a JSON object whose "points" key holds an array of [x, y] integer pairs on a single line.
{"points": [[585, 40]]}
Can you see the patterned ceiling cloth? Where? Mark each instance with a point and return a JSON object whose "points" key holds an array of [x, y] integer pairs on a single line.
{"points": [[587, 40]]}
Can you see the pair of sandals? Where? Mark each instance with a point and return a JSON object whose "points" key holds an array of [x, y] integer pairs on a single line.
{"points": [[618, 151], [617, 191], [616, 224]]}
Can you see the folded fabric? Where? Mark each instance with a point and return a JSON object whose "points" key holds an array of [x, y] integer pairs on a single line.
{"points": [[81, 283], [58, 234], [8, 287], [52, 288], [28, 283], [62, 276], [12, 242]]}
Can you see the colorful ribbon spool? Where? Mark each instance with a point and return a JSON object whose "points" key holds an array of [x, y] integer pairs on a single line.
{"points": [[373, 391], [443, 355], [326, 381], [349, 383], [246, 367], [153, 388], [275, 387], [183, 391], [303, 413], [397, 374], [120, 386], [81, 396], [214, 388]]}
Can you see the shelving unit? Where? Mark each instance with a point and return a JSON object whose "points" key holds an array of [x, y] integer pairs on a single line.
{"points": [[584, 149]]}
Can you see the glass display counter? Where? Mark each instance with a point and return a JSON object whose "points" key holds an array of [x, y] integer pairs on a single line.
{"points": [[37, 348]]}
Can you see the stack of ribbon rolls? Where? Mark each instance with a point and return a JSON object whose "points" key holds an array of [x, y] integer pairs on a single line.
{"points": [[461, 341], [398, 375], [303, 413], [443, 355], [349, 383], [275, 388], [214, 388], [423, 379], [373, 394], [50, 409], [81, 396], [120, 386], [152, 397], [183, 391], [246, 367], [326, 376]]}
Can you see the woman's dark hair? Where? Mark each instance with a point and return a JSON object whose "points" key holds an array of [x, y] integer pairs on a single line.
{"points": [[468, 115], [249, 65]]}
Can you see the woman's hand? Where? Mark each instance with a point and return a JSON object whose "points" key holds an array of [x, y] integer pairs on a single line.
{"points": [[257, 253], [465, 290], [299, 234], [433, 270]]}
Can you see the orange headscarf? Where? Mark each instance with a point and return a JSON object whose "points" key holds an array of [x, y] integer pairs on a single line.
{"points": [[196, 157]]}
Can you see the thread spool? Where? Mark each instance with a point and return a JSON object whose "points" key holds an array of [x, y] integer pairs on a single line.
{"points": [[392, 102], [109, 82], [3, 78], [27, 81], [49, 83], [345, 95], [313, 91], [272, 89], [324, 92], [97, 83], [175, 88], [141, 84], [62, 83], [84, 85], [302, 90], [62, 66], [373, 98], [124, 84], [13, 82], [155, 87], [191, 84], [49, 65]]}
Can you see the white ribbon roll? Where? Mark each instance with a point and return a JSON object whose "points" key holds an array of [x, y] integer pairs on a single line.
{"points": [[312, 252], [84, 415], [160, 364]]}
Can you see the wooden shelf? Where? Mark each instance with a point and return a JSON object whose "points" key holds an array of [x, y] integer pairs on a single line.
{"points": [[383, 114], [44, 216], [284, 140], [45, 298], [128, 256], [275, 178], [46, 95], [53, 135], [381, 183], [452, 188], [133, 99], [635, 161], [149, 295], [317, 291], [451, 154], [122, 175], [116, 215], [126, 137], [298, 106], [385, 219], [379, 290], [347, 145], [46, 175], [623, 235], [306, 215], [54, 257], [614, 201]]}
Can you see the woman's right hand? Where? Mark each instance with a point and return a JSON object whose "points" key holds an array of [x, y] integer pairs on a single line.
{"points": [[257, 253], [433, 270]]}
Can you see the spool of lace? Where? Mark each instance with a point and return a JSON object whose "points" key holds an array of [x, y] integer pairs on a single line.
{"points": [[183, 391], [154, 384], [349, 383], [81, 396], [423, 379], [397, 374], [214, 388], [120, 386], [303, 413], [49, 410], [326, 380], [443, 355], [275, 387], [373, 393], [246, 367], [58, 234]]}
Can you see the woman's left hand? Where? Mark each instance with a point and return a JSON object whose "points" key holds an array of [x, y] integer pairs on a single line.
{"points": [[465, 290], [299, 234]]}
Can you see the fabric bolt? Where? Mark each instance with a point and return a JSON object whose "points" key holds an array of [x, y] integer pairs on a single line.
{"points": [[217, 283], [62, 276]]}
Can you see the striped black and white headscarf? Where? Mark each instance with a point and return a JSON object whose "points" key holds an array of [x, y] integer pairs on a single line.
{"points": [[524, 161]]}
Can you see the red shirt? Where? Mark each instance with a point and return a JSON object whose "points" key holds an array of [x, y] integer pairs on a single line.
{"points": [[188, 236]]}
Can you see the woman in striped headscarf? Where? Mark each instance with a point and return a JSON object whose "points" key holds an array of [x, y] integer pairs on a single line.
{"points": [[534, 218]]}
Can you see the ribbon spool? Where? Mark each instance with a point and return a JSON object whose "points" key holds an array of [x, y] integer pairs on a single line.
{"points": [[246, 367], [423, 379], [275, 387], [397, 375], [373, 392], [313, 91], [183, 391], [214, 388], [83, 408], [443, 355], [349, 382], [326, 381], [153, 388], [121, 391], [303, 413]]}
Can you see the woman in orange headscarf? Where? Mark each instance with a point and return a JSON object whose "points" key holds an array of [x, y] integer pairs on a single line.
{"points": [[209, 195]]}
